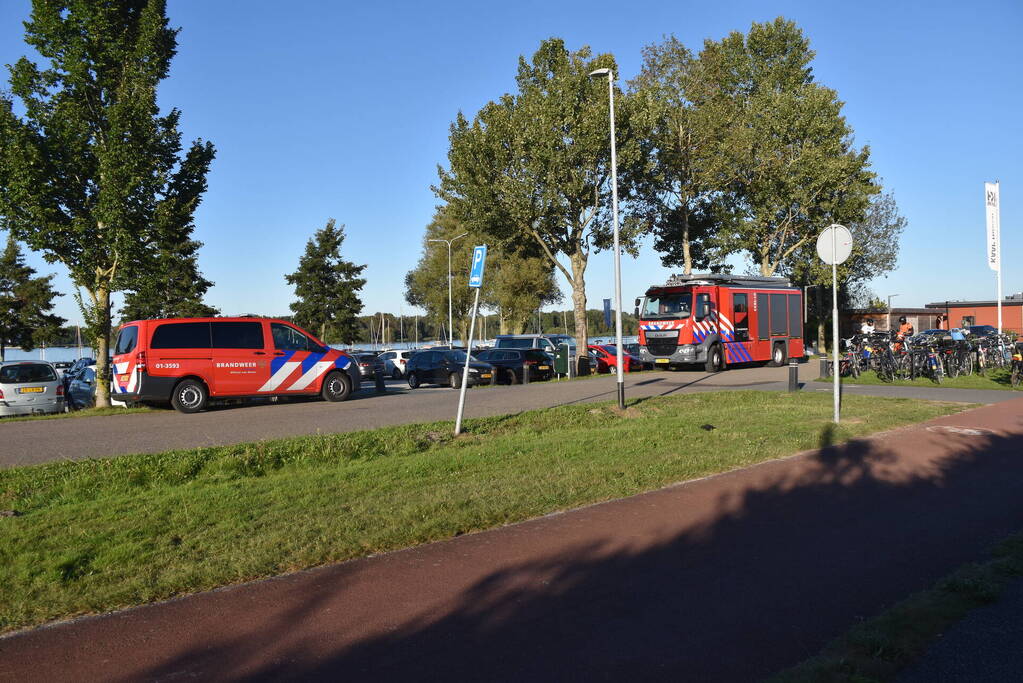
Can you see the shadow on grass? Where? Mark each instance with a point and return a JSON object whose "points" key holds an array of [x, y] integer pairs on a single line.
{"points": [[730, 579]]}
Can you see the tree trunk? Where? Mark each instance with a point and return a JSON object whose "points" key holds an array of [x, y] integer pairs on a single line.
{"points": [[3, 351], [687, 254], [578, 262], [819, 292], [102, 299]]}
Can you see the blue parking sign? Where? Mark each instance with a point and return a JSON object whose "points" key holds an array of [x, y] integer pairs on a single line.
{"points": [[479, 259]]}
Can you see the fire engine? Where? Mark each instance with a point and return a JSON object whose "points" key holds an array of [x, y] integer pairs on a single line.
{"points": [[719, 320]]}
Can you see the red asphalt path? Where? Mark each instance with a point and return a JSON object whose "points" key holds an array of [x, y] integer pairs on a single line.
{"points": [[729, 578]]}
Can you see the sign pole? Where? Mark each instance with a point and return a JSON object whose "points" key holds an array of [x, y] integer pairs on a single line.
{"points": [[834, 245], [994, 247], [479, 259], [834, 323]]}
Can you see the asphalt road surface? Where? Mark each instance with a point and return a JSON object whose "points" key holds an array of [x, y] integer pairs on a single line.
{"points": [[39, 441]]}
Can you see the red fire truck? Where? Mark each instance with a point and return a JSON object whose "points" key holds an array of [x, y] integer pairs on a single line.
{"points": [[719, 320]]}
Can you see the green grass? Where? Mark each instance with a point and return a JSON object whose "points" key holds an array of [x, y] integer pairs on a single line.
{"points": [[878, 649], [87, 412], [100, 534], [994, 379]]}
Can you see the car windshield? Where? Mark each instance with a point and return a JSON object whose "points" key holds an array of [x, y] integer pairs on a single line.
{"points": [[26, 372], [663, 306]]}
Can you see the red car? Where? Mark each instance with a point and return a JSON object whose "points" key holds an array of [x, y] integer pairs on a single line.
{"points": [[606, 357], [187, 361]]}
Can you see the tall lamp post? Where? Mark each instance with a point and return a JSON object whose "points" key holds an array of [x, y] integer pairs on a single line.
{"points": [[890, 297], [618, 252], [451, 338]]}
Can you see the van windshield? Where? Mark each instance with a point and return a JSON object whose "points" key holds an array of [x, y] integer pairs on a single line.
{"points": [[675, 306]]}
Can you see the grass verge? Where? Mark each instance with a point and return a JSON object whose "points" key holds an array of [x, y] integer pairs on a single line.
{"points": [[878, 649], [101, 534], [994, 379], [87, 412]]}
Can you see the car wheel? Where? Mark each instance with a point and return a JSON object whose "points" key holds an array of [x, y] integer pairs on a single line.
{"points": [[395, 373], [713, 363], [513, 377], [454, 381], [413, 380], [189, 396], [336, 387]]}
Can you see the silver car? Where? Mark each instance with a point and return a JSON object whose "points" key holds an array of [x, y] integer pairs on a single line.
{"points": [[30, 387]]}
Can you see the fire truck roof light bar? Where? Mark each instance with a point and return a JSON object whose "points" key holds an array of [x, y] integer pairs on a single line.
{"points": [[726, 279]]}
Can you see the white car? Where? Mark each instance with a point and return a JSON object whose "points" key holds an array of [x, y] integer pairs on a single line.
{"points": [[81, 390], [30, 387], [394, 362]]}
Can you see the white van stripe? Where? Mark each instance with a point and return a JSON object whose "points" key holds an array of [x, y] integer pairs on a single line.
{"points": [[281, 375], [310, 376], [133, 381]]}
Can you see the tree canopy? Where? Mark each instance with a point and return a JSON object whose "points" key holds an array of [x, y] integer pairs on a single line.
{"points": [[25, 303]]}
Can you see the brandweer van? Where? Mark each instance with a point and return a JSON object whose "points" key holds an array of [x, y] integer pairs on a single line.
{"points": [[188, 361]]}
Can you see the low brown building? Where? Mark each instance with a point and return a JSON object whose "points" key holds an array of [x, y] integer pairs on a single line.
{"points": [[966, 313]]}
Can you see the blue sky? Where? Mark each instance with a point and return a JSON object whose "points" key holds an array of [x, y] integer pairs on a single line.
{"points": [[341, 110]]}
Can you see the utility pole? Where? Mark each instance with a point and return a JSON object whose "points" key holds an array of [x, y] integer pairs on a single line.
{"points": [[451, 341]]}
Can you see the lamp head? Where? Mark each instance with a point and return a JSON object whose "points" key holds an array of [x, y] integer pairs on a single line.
{"points": [[599, 72]]}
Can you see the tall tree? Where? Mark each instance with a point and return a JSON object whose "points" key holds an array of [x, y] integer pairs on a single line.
{"points": [[328, 287], [25, 303], [535, 166], [680, 196], [787, 157], [171, 287], [86, 173]]}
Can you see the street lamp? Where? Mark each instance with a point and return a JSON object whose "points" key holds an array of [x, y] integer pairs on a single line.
{"points": [[451, 341], [890, 297], [618, 252]]}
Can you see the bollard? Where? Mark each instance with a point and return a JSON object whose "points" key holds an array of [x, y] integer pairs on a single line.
{"points": [[525, 373], [793, 374], [378, 377]]}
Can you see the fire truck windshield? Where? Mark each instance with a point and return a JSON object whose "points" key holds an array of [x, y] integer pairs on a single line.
{"points": [[674, 306]]}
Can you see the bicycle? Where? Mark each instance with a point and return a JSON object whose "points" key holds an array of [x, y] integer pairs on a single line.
{"points": [[1016, 378]]}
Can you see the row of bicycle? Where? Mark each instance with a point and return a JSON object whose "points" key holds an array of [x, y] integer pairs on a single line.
{"points": [[934, 356]]}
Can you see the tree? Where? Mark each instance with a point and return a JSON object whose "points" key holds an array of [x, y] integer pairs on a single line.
{"points": [[173, 287], [520, 282], [679, 195], [535, 166], [327, 287], [88, 172], [25, 303], [787, 157]]}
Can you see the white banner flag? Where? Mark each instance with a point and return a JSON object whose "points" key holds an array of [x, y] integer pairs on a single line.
{"points": [[994, 255]]}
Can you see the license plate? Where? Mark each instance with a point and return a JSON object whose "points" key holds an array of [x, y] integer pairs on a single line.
{"points": [[485, 375], [663, 360], [123, 378], [31, 390], [544, 367]]}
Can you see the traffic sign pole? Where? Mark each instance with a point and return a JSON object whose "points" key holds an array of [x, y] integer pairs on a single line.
{"points": [[479, 259], [834, 245]]}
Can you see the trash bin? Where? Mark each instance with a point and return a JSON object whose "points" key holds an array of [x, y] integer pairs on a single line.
{"points": [[562, 359]]}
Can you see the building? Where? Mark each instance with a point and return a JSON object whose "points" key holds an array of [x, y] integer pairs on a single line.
{"points": [[966, 313], [849, 322]]}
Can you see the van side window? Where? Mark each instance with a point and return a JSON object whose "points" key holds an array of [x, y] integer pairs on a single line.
{"points": [[240, 335], [181, 336], [126, 340], [289, 339]]}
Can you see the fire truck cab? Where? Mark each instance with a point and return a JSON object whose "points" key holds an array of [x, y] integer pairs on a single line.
{"points": [[719, 320]]}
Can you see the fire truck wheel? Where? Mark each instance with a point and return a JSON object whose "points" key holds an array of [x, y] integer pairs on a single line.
{"points": [[713, 359], [777, 356], [189, 396], [335, 387]]}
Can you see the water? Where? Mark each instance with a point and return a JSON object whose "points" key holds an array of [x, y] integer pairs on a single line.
{"points": [[52, 353]]}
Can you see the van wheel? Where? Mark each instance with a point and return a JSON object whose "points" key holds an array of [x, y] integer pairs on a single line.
{"points": [[189, 396], [777, 356], [413, 380], [336, 387], [713, 363]]}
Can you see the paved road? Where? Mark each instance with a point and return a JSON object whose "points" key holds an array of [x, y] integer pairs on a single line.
{"points": [[728, 578], [33, 442]]}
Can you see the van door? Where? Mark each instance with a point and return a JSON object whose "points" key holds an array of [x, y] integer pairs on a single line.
{"points": [[241, 364], [177, 349]]}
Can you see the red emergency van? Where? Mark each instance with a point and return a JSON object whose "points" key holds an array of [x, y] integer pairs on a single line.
{"points": [[719, 320], [188, 361]]}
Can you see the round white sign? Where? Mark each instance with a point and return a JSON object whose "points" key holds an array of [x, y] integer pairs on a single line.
{"points": [[834, 244]]}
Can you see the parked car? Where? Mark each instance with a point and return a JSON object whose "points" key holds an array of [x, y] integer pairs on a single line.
{"points": [[633, 350], [369, 363], [606, 357], [982, 330], [30, 388], [444, 366], [77, 366], [395, 362], [61, 366], [188, 361], [548, 343], [81, 390], [510, 364]]}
